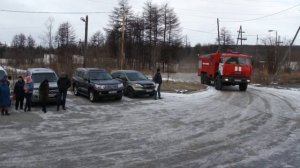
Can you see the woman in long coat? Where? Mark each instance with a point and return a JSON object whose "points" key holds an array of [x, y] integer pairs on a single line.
{"points": [[43, 94], [5, 101]]}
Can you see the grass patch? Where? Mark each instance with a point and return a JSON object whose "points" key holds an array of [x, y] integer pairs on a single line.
{"points": [[186, 87]]}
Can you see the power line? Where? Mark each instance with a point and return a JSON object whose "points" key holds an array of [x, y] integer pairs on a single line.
{"points": [[262, 17], [199, 31], [63, 13]]}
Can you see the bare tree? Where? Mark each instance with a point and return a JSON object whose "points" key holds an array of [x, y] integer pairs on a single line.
{"points": [[171, 38], [118, 23], [48, 37], [152, 16], [97, 39], [30, 42], [225, 39], [19, 41], [65, 35]]}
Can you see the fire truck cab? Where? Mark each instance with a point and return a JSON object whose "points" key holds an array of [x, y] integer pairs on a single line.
{"points": [[224, 69]]}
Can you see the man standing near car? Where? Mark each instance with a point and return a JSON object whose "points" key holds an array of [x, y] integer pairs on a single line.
{"points": [[63, 84], [157, 79]]}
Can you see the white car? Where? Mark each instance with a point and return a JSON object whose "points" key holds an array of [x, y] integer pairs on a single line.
{"points": [[38, 76]]}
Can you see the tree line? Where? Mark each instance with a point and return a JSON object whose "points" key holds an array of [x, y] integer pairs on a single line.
{"points": [[150, 39]]}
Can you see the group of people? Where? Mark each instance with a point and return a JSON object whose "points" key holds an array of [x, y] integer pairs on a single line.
{"points": [[23, 89]]}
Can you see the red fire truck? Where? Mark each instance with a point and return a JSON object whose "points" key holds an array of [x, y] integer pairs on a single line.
{"points": [[224, 69]]}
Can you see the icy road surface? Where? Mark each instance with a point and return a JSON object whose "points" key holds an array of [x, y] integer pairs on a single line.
{"points": [[258, 128]]}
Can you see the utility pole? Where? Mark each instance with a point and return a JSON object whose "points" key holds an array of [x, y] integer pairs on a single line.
{"points": [[241, 34], [241, 38], [218, 24], [286, 54], [86, 20]]}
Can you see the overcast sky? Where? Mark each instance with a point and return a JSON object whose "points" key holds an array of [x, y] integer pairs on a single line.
{"points": [[198, 18]]}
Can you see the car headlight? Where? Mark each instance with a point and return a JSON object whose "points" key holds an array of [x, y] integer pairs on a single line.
{"points": [[120, 85], [100, 86], [138, 85]]}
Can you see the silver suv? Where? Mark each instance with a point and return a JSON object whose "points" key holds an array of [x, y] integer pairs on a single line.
{"points": [[38, 76]]}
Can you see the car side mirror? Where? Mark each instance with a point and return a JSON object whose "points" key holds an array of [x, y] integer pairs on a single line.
{"points": [[123, 79]]}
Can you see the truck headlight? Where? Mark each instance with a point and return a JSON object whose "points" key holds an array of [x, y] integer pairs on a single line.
{"points": [[120, 85], [100, 86]]}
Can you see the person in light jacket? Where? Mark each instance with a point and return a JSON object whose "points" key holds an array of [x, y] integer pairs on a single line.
{"points": [[28, 89], [19, 93], [5, 101], [157, 79]]}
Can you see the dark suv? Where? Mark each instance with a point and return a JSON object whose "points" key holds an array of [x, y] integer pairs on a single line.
{"points": [[96, 83], [135, 83]]}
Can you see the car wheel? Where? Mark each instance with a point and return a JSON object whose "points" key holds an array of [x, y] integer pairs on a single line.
{"points": [[75, 90], [119, 97], [92, 96], [152, 94], [243, 86], [218, 83], [203, 79], [130, 92]]}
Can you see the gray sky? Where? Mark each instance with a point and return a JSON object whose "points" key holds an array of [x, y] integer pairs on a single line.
{"points": [[197, 17]]}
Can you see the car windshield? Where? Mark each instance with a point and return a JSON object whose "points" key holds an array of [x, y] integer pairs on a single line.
{"points": [[1, 74], [237, 60], [99, 75], [40, 77], [136, 76]]}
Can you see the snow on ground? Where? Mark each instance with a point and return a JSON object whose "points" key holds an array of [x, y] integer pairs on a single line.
{"points": [[257, 128]]}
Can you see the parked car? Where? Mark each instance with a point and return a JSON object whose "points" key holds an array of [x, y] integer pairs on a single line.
{"points": [[96, 83], [135, 83], [38, 76]]}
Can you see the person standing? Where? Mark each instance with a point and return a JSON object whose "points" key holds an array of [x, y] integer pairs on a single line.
{"points": [[19, 93], [43, 94], [28, 89], [157, 79], [63, 84], [5, 101]]}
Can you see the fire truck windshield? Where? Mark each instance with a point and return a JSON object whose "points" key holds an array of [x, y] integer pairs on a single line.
{"points": [[237, 60]]}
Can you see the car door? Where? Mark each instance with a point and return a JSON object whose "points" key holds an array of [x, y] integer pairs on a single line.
{"points": [[79, 80], [123, 79], [85, 83]]}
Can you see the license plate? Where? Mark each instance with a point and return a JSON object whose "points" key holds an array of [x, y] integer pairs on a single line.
{"points": [[149, 90], [112, 92], [51, 95], [237, 80]]}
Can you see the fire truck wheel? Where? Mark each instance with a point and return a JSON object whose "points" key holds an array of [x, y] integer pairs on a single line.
{"points": [[218, 83], [243, 86], [202, 78]]}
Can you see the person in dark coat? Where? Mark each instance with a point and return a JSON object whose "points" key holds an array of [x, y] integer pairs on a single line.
{"points": [[157, 79], [28, 89], [63, 84], [19, 92], [5, 101], [43, 94]]}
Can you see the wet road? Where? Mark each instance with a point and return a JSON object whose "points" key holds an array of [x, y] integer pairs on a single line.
{"points": [[257, 128]]}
